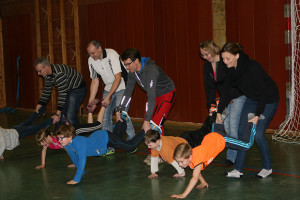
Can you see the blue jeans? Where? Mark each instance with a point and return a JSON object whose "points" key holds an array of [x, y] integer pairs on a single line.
{"points": [[115, 139], [107, 120], [72, 104], [260, 138], [27, 128], [232, 121]]}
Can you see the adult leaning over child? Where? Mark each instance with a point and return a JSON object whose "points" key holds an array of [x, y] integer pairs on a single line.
{"points": [[262, 94]]}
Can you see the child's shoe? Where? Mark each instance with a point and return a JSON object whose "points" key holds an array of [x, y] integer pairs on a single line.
{"points": [[125, 116], [109, 151], [264, 173], [234, 174], [155, 127]]}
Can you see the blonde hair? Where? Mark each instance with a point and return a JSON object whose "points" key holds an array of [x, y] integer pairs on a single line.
{"points": [[183, 150], [42, 135], [66, 131], [210, 46]]}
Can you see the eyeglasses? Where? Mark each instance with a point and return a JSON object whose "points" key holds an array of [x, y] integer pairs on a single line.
{"points": [[127, 64], [39, 71], [60, 138]]}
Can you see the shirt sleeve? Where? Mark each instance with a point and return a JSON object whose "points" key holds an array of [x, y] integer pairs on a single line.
{"points": [[81, 154], [125, 101], [150, 87], [177, 167], [154, 164], [93, 73]]}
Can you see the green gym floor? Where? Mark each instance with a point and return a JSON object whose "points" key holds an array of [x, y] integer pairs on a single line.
{"points": [[124, 176]]}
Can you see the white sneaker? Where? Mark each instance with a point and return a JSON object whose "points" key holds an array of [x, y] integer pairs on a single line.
{"points": [[234, 173], [264, 173]]}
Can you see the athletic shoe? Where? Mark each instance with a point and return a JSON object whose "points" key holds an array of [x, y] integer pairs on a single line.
{"points": [[133, 151], [264, 173], [148, 160], [155, 127], [125, 116], [234, 174], [109, 151]]}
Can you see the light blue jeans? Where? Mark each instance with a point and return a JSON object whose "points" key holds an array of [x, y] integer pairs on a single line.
{"points": [[107, 120], [232, 121]]}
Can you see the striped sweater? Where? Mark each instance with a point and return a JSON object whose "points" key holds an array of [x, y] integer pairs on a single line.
{"points": [[64, 78]]}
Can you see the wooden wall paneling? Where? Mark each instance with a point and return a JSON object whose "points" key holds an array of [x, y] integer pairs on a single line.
{"points": [[38, 40], [184, 71], [277, 57], [26, 71], [205, 26], [77, 36], [171, 53], [139, 43], [196, 70], [232, 20], [261, 34], [50, 48], [148, 27], [63, 31], [2, 70], [246, 30]]}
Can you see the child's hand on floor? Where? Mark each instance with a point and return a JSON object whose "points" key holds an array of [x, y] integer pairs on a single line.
{"points": [[71, 182], [179, 175], [153, 175], [40, 167], [71, 166], [1, 157], [202, 185]]}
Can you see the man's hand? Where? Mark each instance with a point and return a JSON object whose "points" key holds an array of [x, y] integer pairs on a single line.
{"points": [[146, 126], [106, 101], [71, 182], [153, 176], [55, 119], [37, 108]]}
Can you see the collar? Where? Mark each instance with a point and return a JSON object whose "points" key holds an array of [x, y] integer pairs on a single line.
{"points": [[143, 62], [104, 52], [158, 148]]}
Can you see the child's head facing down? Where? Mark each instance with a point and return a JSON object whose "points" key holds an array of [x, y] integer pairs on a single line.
{"points": [[44, 137], [183, 154], [152, 139], [65, 134]]}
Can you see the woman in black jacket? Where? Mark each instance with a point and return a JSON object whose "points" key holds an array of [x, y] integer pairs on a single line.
{"points": [[262, 94], [215, 72]]}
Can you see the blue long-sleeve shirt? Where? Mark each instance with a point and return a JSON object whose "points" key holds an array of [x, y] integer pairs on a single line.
{"points": [[83, 147]]}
